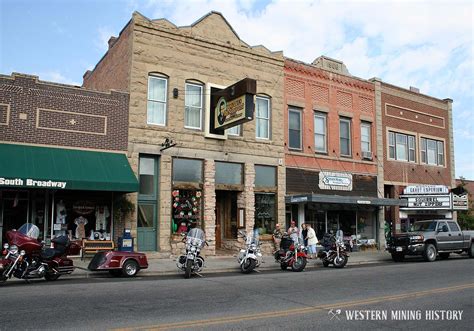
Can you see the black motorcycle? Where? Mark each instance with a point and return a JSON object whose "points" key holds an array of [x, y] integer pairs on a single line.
{"points": [[192, 262], [334, 251]]}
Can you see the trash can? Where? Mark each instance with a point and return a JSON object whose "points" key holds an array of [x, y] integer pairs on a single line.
{"points": [[126, 241]]}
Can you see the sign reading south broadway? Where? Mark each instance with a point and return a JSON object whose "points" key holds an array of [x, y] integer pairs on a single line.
{"points": [[28, 182]]}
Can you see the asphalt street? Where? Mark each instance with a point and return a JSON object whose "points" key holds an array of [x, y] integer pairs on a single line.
{"points": [[376, 296]]}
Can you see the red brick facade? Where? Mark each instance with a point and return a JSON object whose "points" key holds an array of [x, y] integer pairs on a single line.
{"points": [[36, 112], [312, 89], [421, 116]]}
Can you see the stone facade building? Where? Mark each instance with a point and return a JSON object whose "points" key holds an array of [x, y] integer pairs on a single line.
{"points": [[331, 160], [63, 158], [220, 182], [418, 154]]}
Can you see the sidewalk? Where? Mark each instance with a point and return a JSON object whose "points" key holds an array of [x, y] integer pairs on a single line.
{"points": [[159, 266]]}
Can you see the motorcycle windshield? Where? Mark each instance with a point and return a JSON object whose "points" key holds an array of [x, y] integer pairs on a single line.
{"points": [[196, 237], [29, 230], [252, 240]]}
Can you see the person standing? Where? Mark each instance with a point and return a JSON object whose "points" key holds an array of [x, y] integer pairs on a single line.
{"points": [[304, 233], [312, 241], [277, 234], [293, 231]]}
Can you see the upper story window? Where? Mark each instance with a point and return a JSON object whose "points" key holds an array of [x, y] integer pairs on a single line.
{"points": [[401, 147], [294, 128], [262, 108], [156, 106], [345, 136], [193, 106], [235, 130], [365, 137], [320, 132], [432, 152]]}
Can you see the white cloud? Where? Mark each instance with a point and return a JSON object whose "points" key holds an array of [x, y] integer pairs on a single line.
{"points": [[102, 40], [56, 77]]}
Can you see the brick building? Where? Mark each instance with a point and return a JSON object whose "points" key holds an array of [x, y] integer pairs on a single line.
{"points": [[331, 159], [63, 157], [418, 156], [218, 181]]}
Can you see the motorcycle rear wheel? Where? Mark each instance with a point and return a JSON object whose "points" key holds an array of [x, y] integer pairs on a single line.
{"points": [[341, 261], [299, 264], [248, 266], [189, 267]]}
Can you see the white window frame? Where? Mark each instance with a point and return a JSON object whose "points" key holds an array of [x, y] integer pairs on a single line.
{"points": [[408, 146], [235, 131], [186, 106], [259, 118], [319, 134], [300, 113], [346, 120], [439, 152], [369, 142], [165, 101]]}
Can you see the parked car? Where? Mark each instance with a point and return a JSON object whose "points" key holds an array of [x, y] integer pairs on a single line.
{"points": [[431, 238]]}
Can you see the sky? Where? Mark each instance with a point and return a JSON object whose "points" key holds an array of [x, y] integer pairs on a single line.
{"points": [[425, 44]]}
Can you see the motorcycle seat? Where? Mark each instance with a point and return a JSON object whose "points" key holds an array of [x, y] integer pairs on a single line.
{"points": [[49, 253]]}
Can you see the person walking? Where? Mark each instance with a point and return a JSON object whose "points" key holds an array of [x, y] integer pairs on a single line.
{"points": [[312, 241]]}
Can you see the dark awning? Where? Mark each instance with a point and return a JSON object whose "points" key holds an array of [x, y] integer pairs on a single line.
{"points": [[58, 168], [345, 200]]}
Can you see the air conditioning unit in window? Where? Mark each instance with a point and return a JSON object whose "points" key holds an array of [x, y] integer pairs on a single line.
{"points": [[367, 155]]}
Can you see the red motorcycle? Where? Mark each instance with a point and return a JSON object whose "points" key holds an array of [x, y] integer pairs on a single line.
{"points": [[291, 254], [24, 257]]}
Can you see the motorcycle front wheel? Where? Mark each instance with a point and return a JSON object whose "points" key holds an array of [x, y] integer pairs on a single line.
{"points": [[325, 263], [189, 268], [299, 264], [248, 265], [340, 262]]}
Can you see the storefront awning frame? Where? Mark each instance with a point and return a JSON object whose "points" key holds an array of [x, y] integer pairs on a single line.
{"points": [[30, 167], [344, 200]]}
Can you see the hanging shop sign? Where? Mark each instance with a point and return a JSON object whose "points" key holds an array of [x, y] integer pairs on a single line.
{"points": [[335, 181], [426, 189], [427, 201], [460, 202], [28, 182], [233, 105]]}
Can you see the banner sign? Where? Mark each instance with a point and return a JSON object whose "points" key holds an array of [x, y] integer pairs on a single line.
{"points": [[335, 181], [460, 202], [233, 105], [28, 182], [427, 201], [426, 189]]}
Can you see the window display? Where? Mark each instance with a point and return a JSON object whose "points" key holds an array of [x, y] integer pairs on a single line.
{"points": [[265, 210], [186, 213]]}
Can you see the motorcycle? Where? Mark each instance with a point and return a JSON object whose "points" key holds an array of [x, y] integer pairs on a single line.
{"points": [[192, 262], [334, 253], [24, 257], [250, 257], [291, 254]]}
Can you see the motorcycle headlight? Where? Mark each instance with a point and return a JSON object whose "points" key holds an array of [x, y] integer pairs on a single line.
{"points": [[253, 247], [22, 252], [14, 249], [193, 249], [5, 246]]}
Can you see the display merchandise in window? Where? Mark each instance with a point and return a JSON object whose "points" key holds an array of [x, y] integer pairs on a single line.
{"points": [[186, 210], [82, 219], [265, 210]]}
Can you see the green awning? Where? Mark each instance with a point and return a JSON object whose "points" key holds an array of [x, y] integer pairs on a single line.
{"points": [[57, 168]]}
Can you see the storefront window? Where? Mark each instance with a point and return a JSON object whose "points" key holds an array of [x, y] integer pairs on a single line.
{"points": [[187, 170], [228, 173], [265, 176], [265, 212], [186, 210], [82, 215]]}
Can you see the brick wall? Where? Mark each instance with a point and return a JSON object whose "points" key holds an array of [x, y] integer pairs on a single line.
{"points": [[421, 116], [36, 112], [114, 72], [313, 89]]}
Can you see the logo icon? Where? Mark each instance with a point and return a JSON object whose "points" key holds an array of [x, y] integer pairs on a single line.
{"points": [[334, 314]]}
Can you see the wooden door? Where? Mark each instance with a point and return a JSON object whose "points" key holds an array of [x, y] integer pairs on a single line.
{"points": [[220, 209]]}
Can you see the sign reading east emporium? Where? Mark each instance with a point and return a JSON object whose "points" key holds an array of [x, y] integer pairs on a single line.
{"points": [[28, 182]]}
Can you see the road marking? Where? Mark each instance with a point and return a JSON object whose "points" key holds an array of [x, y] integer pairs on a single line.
{"points": [[295, 311]]}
